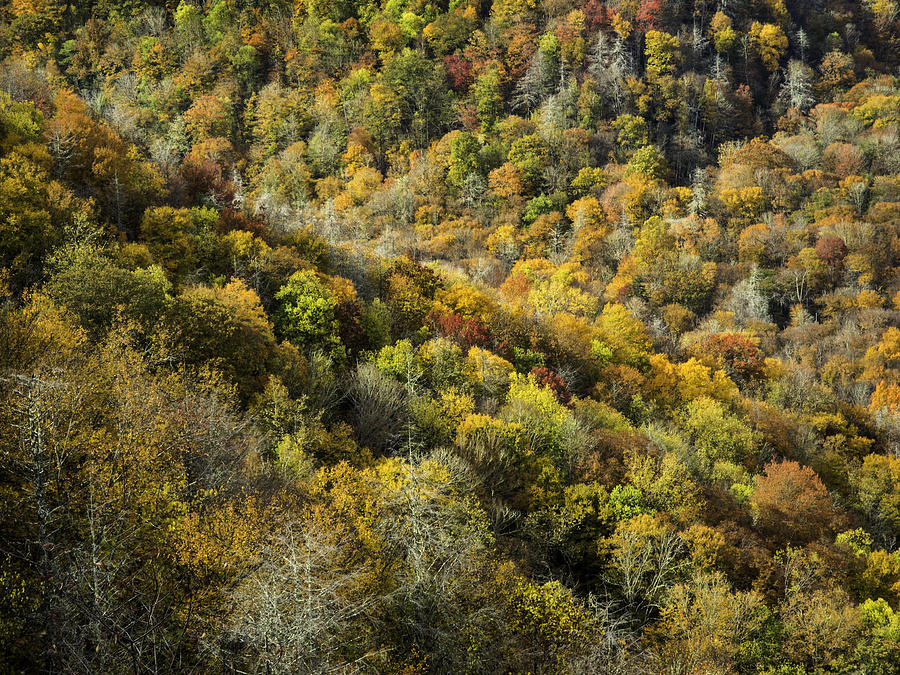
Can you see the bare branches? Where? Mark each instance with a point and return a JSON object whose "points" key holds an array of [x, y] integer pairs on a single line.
{"points": [[301, 610]]}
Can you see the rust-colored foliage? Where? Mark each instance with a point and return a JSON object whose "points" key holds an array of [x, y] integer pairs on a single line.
{"points": [[791, 502], [547, 378], [736, 353]]}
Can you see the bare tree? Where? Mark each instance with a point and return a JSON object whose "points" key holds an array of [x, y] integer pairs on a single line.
{"points": [[645, 567], [438, 541], [615, 649], [796, 91], [537, 83], [746, 301], [803, 43], [378, 408], [609, 64], [301, 609]]}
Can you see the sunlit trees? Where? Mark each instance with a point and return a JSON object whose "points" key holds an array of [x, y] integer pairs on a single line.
{"points": [[94, 157], [301, 608], [488, 98], [737, 355], [769, 42], [528, 154], [521, 337], [209, 117], [717, 435], [174, 236], [110, 522], [28, 229], [306, 315], [797, 89], [877, 483], [224, 326], [647, 558], [551, 626], [705, 624]]}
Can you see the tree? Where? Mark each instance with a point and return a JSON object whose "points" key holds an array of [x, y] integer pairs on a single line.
{"points": [[881, 629], [302, 607], [101, 515], [488, 98], [724, 36], [837, 74], [209, 117], [436, 541], [632, 132], [736, 354], [418, 89], [378, 409], [528, 154], [662, 53], [647, 558], [877, 485], [649, 162], [791, 503], [769, 42], [28, 230], [551, 626], [821, 625], [385, 36], [174, 236], [225, 327], [718, 435], [705, 624], [278, 117], [92, 156], [306, 315], [797, 87], [464, 159], [88, 281], [832, 251], [541, 78]]}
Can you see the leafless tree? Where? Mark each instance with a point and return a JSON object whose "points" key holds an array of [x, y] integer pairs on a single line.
{"points": [[746, 302], [645, 567], [615, 648], [609, 65], [301, 609], [796, 91], [378, 408], [438, 542], [540, 80]]}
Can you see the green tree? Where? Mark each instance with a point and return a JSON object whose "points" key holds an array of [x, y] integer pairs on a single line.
{"points": [[717, 435], [647, 161], [662, 53], [175, 237], [529, 154], [90, 282], [488, 98], [631, 132], [306, 315], [464, 158], [27, 229]]}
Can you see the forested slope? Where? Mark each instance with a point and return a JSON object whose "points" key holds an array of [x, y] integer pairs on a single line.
{"points": [[511, 337]]}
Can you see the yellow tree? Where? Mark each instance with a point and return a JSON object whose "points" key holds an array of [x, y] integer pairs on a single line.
{"points": [[769, 42]]}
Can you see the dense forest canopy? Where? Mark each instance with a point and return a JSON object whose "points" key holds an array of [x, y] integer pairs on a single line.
{"points": [[524, 336]]}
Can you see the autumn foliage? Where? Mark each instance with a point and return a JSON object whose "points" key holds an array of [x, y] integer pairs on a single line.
{"points": [[460, 337]]}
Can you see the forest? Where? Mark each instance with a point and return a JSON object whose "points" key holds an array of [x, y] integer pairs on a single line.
{"points": [[450, 336]]}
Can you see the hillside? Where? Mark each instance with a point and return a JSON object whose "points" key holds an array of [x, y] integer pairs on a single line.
{"points": [[405, 337]]}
